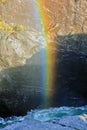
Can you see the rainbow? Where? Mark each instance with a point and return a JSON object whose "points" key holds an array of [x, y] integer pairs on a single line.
{"points": [[48, 58]]}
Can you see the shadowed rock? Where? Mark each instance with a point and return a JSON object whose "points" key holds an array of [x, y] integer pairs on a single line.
{"points": [[21, 87], [71, 70]]}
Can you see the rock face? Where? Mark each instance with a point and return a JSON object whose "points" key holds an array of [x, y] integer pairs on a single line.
{"points": [[20, 88], [66, 26], [20, 76], [71, 71], [19, 12], [65, 17], [15, 49], [17, 74]]}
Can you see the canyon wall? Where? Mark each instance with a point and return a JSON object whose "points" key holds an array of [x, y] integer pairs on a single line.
{"points": [[20, 58], [65, 16]]}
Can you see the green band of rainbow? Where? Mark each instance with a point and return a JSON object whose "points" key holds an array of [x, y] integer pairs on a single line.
{"points": [[48, 57]]}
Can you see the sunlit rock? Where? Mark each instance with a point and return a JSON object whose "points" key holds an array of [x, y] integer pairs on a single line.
{"points": [[15, 49], [65, 17], [20, 58]]}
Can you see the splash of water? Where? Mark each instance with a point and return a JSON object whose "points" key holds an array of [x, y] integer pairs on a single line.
{"points": [[45, 115]]}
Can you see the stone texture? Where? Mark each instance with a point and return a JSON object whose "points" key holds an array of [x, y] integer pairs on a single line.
{"points": [[19, 86], [19, 12], [66, 24], [66, 27], [65, 17], [15, 49]]}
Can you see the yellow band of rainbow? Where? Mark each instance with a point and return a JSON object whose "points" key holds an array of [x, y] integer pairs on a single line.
{"points": [[48, 73]]}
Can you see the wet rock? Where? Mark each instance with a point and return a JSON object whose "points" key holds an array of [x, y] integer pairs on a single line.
{"points": [[20, 77], [71, 69], [20, 88]]}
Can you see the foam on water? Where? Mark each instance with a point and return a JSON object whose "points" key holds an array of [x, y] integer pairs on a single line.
{"points": [[45, 115]]}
